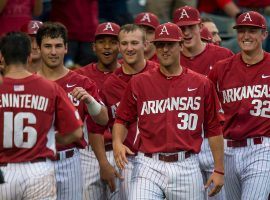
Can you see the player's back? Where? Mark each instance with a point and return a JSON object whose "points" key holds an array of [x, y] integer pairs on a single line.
{"points": [[27, 117]]}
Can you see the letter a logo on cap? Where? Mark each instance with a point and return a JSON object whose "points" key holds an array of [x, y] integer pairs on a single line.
{"points": [[108, 27], [164, 30], [146, 17], [35, 25], [247, 16], [183, 14]]}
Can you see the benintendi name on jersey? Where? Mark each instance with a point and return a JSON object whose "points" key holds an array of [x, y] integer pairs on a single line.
{"points": [[24, 101], [170, 104]]}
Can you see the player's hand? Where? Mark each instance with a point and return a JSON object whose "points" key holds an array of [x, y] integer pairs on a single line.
{"points": [[108, 175], [81, 94], [218, 181], [119, 152]]}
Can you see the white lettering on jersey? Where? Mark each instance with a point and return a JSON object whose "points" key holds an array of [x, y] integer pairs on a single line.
{"points": [[169, 104], [108, 27], [164, 30], [245, 92], [73, 100], [247, 16], [24, 101], [183, 14], [146, 17]]}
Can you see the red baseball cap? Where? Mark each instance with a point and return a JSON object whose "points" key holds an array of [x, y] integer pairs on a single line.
{"points": [[147, 19], [168, 32], [107, 28], [186, 15], [251, 18], [206, 35], [31, 27]]}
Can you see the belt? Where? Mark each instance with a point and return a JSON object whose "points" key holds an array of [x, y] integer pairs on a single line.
{"points": [[169, 158], [32, 161], [64, 154], [108, 147], [244, 143]]}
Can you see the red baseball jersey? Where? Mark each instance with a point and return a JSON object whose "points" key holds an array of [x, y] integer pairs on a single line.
{"points": [[204, 62], [91, 71], [244, 93], [31, 110], [112, 93], [173, 112], [68, 83]]}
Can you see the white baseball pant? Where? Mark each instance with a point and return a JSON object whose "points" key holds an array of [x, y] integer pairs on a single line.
{"points": [[35, 181]]}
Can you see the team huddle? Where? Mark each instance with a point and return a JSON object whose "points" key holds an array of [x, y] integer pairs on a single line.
{"points": [[174, 118]]}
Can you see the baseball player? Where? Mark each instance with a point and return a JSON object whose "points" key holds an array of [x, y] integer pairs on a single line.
{"points": [[32, 109], [132, 43], [200, 57], [243, 88], [173, 106], [31, 28], [99, 168], [211, 26], [148, 22], [52, 40]]}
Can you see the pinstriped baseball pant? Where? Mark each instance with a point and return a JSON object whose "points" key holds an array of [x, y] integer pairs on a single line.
{"points": [[153, 179], [247, 171], [69, 177], [35, 181], [206, 163]]}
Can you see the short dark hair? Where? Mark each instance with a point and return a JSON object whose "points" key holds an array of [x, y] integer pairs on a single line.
{"points": [[15, 47], [131, 28], [52, 30]]}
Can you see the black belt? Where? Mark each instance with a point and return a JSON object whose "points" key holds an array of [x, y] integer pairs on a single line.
{"points": [[168, 158], [243, 143], [68, 154]]}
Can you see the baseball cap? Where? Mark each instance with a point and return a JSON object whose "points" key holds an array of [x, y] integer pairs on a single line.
{"points": [[186, 15], [251, 18], [206, 35], [107, 28], [168, 32], [31, 27], [147, 19]]}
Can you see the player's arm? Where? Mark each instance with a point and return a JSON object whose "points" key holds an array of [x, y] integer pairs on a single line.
{"points": [[107, 172], [2, 5], [97, 111], [69, 137], [215, 138], [38, 7]]}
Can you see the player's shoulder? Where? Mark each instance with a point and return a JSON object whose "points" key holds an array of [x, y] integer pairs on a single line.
{"points": [[194, 75], [219, 50], [78, 78]]}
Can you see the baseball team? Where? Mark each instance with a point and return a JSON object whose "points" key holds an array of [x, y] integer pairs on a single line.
{"points": [[163, 114]]}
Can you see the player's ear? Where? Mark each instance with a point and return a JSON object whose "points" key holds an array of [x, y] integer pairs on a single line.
{"points": [[264, 34], [66, 48], [181, 44], [94, 46], [200, 26]]}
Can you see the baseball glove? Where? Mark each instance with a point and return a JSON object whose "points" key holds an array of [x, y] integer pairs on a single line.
{"points": [[2, 180]]}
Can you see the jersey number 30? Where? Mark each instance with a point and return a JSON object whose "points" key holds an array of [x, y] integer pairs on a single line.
{"points": [[14, 129], [187, 121]]}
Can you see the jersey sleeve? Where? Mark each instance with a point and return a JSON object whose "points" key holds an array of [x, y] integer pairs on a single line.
{"points": [[126, 112], [67, 118], [92, 89], [212, 116]]}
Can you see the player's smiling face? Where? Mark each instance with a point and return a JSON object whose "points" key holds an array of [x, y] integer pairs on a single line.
{"points": [[132, 46], [53, 51], [106, 49], [250, 38], [168, 53], [191, 35]]}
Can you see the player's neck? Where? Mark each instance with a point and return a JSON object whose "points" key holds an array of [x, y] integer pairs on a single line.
{"points": [[107, 68], [135, 68], [173, 70], [251, 58], [16, 71], [195, 50], [53, 74]]}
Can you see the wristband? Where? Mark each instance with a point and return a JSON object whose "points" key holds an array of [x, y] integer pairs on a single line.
{"points": [[93, 107], [219, 172]]}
